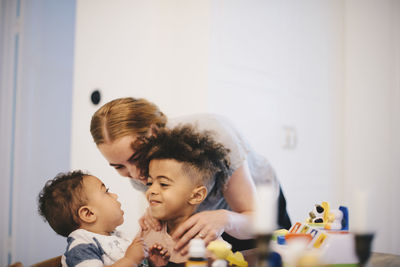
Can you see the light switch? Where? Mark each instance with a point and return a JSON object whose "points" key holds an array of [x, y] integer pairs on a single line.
{"points": [[289, 137]]}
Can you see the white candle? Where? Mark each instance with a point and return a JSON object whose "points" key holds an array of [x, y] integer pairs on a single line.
{"points": [[265, 210], [359, 213]]}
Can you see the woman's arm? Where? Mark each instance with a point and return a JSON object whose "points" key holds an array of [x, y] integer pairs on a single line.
{"points": [[209, 225], [240, 195]]}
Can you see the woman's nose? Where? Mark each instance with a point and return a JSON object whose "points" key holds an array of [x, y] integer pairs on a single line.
{"points": [[133, 171], [114, 195]]}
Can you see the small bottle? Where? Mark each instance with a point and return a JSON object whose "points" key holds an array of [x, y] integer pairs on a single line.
{"points": [[219, 263], [197, 254]]}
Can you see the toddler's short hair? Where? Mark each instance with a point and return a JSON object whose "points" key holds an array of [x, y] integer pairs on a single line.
{"points": [[60, 200], [202, 157]]}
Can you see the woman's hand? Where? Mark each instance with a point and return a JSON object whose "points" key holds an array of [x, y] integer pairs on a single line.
{"points": [[207, 225], [147, 221]]}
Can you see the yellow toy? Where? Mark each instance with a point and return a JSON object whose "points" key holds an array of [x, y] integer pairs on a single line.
{"points": [[279, 232], [222, 250], [320, 214], [327, 218], [236, 259], [219, 248]]}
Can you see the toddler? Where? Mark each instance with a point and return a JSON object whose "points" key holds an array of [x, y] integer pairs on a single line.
{"points": [[79, 206]]}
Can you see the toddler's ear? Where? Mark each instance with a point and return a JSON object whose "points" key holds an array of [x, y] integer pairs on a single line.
{"points": [[86, 214], [198, 195]]}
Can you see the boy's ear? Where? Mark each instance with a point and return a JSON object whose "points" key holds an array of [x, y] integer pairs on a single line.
{"points": [[86, 214], [198, 195]]}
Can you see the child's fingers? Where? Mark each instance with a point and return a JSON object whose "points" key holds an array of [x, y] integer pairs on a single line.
{"points": [[161, 250], [143, 224], [153, 223], [166, 255], [141, 233], [157, 247], [145, 252], [138, 240]]}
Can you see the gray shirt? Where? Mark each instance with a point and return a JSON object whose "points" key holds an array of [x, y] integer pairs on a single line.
{"points": [[240, 150]]}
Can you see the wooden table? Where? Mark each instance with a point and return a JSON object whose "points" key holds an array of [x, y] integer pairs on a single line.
{"points": [[376, 260]]}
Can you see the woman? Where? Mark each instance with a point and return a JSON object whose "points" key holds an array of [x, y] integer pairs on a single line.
{"points": [[117, 124]]}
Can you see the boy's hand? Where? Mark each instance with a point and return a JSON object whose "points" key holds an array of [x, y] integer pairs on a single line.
{"points": [[158, 255], [147, 221], [137, 251]]}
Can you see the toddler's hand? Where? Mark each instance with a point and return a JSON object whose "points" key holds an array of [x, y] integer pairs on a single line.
{"points": [[158, 255], [137, 251]]}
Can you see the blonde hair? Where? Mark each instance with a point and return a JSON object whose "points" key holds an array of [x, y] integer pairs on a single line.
{"points": [[123, 117]]}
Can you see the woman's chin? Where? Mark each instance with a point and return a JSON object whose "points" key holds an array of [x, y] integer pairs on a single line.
{"points": [[138, 185]]}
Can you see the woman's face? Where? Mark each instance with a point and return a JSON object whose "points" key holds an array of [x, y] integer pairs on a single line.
{"points": [[119, 155]]}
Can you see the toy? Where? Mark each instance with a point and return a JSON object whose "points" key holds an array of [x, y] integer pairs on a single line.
{"points": [[222, 251], [318, 214], [323, 216], [219, 248], [324, 234], [236, 259]]}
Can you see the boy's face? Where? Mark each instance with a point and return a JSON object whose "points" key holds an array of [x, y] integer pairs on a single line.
{"points": [[103, 203], [169, 190]]}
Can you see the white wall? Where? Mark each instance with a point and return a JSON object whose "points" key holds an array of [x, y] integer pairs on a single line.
{"points": [[152, 49], [277, 65], [372, 117], [266, 61], [269, 66]]}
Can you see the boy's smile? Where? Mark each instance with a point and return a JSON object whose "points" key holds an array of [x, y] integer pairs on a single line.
{"points": [[154, 202]]}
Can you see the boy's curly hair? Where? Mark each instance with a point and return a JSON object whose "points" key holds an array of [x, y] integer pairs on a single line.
{"points": [[60, 200], [198, 152]]}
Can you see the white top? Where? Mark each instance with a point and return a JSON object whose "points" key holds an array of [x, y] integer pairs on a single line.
{"points": [[90, 249], [240, 150]]}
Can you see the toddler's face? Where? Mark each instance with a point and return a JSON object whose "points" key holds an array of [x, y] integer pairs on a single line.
{"points": [[169, 190], [104, 204], [119, 154]]}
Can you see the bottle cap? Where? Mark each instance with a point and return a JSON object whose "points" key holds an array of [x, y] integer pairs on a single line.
{"points": [[197, 248], [219, 263], [281, 240]]}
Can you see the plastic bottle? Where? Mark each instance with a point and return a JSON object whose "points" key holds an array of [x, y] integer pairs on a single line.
{"points": [[219, 263], [197, 254]]}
